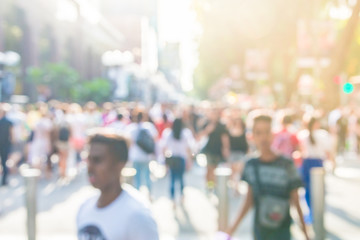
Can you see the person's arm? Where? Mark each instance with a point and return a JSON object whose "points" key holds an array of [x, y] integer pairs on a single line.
{"points": [[206, 131], [246, 207], [225, 145], [12, 134], [296, 202]]}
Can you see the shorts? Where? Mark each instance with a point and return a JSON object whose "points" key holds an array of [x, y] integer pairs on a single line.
{"points": [[236, 156], [213, 160]]}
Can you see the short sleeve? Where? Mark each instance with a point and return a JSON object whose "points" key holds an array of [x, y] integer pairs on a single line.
{"points": [[142, 227], [248, 173], [295, 180]]}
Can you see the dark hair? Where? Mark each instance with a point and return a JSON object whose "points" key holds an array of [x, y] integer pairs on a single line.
{"points": [[139, 117], [165, 117], [117, 144], [312, 121], [177, 127], [262, 118], [287, 120], [120, 116]]}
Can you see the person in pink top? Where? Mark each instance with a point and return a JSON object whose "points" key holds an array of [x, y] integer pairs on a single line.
{"points": [[285, 141]]}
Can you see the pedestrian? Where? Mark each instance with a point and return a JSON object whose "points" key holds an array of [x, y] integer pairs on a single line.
{"points": [[177, 145], [239, 147], [6, 137], [142, 131], [285, 141], [40, 146], [117, 213], [120, 123], [217, 148], [273, 184], [63, 146], [316, 146]]}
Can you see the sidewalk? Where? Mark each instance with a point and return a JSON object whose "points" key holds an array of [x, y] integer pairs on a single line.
{"points": [[197, 219]]}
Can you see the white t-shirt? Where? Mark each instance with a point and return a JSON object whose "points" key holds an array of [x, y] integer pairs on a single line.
{"points": [[323, 144], [126, 218], [117, 125], [136, 154], [177, 147]]}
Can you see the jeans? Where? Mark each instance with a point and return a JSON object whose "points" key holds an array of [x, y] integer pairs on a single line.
{"points": [[308, 164], [4, 154], [177, 175], [142, 173]]}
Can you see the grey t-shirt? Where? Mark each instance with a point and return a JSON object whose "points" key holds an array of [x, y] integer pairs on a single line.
{"points": [[277, 178]]}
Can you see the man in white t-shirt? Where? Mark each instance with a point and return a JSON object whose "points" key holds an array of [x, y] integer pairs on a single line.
{"points": [[117, 214]]}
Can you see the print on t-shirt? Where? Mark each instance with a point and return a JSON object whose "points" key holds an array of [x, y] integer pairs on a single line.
{"points": [[91, 232]]}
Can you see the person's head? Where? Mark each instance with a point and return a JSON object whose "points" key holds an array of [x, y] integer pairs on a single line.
{"points": [[165, 118], [108, 155], [177, 127], [287, 120], [238, 123], [120, 116], [262, 132], [140, 117], [90, 106], [215, 114]]}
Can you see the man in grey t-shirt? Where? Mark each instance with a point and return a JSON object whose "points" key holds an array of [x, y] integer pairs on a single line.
{"points": [[273, 183]]}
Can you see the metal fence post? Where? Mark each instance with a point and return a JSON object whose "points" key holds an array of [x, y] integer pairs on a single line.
{"points": [[31, 177], [318, 201], [222, 178]]}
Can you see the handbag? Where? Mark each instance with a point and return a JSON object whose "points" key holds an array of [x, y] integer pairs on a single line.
{"points": [[273, 210]]}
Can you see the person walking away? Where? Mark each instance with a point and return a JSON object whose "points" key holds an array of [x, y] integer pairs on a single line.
{"points": [[177, 145], [316, 146], [40, 146], [77, 120], [117, 213], [63, 146], [273, 184], [239, 147], [139, 156], [6, 137]]}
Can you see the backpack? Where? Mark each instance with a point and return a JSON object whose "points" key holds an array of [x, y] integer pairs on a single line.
{"points": [[145, 141], [64, 133]]}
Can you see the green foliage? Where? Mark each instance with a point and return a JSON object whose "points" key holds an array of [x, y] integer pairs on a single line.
{"points": [[97, 90], [66, 85], [59, 77], [229, 29]]}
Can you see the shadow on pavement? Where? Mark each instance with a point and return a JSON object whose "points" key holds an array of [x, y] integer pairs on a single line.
{"points": [[344, 215]]}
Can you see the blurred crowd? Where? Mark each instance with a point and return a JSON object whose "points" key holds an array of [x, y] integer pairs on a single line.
{"points": [[52, 136]]}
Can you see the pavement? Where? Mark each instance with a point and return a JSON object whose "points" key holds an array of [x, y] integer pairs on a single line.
{"points": [[196, 219]]}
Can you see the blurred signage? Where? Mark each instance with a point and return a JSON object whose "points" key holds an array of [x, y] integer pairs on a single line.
{"points": [[256, 64], [315, 40]]}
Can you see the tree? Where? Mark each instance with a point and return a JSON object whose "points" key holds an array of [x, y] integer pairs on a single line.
{"points": [[332, 98], [59, 77]]}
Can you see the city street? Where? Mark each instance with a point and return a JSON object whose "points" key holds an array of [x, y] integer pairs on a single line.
{"points": [[196, 219]]}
